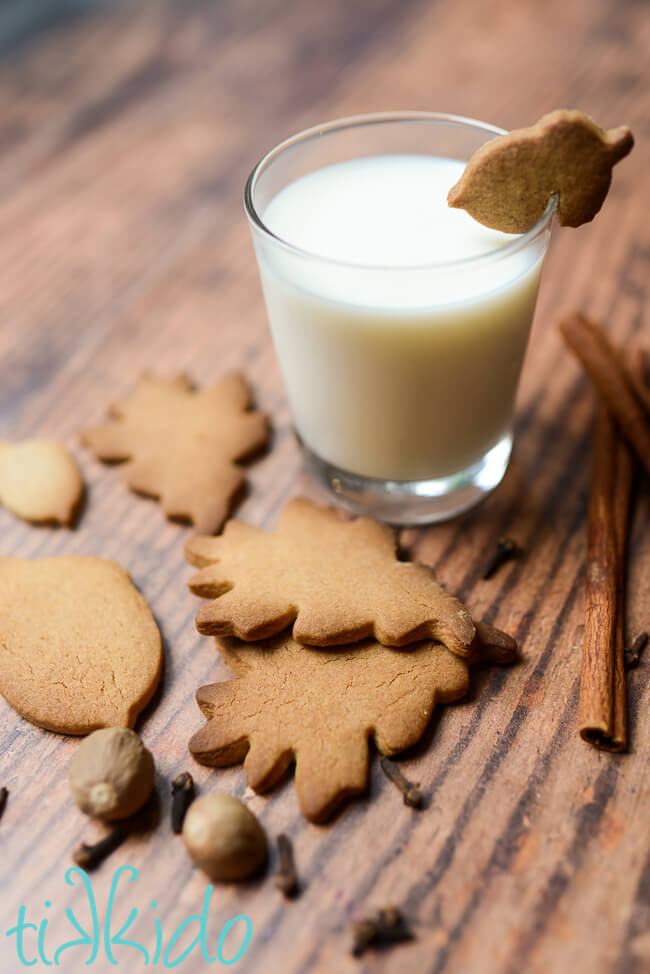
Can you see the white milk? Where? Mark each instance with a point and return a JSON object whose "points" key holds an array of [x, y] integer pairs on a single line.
{"points": [[395, 368]]}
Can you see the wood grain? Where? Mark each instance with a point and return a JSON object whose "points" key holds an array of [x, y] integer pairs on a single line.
{"points": [[126, 139]]}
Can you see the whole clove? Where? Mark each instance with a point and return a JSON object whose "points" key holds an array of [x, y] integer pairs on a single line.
{"points": [[410, 790], [4, 795], [286, 879], [182, 798], [634, 651], [386, 926], [506, 549], [90, 856]]}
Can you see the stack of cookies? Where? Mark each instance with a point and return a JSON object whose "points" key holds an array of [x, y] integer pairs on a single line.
{"points": [[332, 641]]}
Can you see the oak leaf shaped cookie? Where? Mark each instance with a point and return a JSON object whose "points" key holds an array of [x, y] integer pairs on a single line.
{"points": [[320, 707], [509, 181], [39, 481], [182, 445], [79, 647], [336, 581]]}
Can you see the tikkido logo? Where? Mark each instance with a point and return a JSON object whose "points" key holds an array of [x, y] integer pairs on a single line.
{"points": [[96, 941]]}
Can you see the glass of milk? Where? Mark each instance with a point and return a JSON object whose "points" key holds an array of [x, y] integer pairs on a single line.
{"points": [[400, 324]]}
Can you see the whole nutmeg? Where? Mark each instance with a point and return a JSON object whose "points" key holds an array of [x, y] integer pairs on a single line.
{"points": [[111, 775], [224, 838]]}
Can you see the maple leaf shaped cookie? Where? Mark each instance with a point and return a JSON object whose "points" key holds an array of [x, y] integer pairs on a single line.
{"points": [[182, 445], [509, 181], [319, 708], [339, 580]]}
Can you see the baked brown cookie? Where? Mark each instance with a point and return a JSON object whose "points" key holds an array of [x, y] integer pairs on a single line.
{"points": [[336, 581], [320, 707], [183, 445], [79, 647], [509, 181], [39, 481]]}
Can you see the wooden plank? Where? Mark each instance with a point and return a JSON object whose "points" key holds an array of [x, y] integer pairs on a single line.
{"points": [[123, 245]]}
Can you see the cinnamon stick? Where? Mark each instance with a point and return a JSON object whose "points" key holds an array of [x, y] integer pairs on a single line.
{"points": [[639, 375], [624, 467], [603, 710], [608, 369]]}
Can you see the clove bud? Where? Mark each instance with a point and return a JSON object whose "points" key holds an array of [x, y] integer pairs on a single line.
{"points": [[410, 790], [633, 652], [286, 879], [386, 926], [506, 549], [90, 856], [182, 798]]}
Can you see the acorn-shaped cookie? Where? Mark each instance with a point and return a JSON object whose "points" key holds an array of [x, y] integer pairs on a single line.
{"points": [[508, 182]]}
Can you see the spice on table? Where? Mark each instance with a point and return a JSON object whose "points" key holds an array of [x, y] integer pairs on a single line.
{"points": [[286, 879], [635, 649], [608, 369], [638, 358], [90, 856], [602, 710], [410, 790], [111, 774], [506, 549], [4, 795], [386, 926], [182, 798], [224, 838]]}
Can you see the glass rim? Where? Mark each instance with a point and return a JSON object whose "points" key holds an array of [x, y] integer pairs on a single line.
{"points": [[519, 242]]}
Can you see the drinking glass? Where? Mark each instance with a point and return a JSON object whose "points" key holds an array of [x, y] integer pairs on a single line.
{"points": [[401, 379]]}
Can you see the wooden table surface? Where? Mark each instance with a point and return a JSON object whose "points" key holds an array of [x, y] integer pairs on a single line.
{"points": [[126, 137]]}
